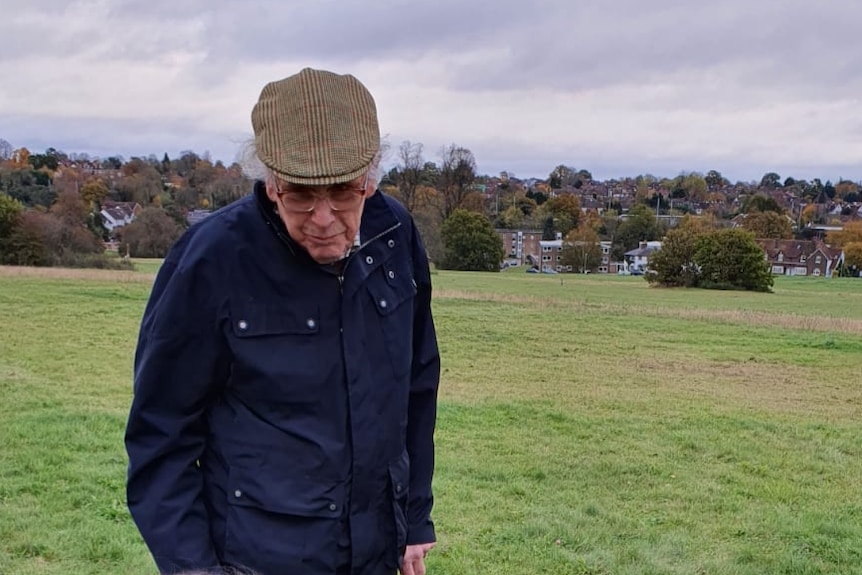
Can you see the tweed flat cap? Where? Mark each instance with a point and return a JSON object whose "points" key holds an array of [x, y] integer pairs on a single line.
{"points": [[316, 128]]}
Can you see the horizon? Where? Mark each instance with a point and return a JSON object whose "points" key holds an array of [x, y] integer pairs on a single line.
{"points": [[389, 162]]}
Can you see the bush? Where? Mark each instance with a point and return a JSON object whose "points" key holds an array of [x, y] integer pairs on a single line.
{"points": [[712, 259], [97, 261], [470, 243], [151, 235]]}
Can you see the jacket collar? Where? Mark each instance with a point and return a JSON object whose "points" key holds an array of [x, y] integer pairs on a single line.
{"points": [[377, 219]]}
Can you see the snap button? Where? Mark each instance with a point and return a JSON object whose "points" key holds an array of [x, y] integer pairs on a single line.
{"points": [[369, 260], [391, 243], [311, 323], [333, 506], [242, 325], [391, 275], [237, 493], [398, 488], [383, 303]]}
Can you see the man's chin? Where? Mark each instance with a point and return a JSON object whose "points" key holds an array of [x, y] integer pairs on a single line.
{"points": [[326, 254]]}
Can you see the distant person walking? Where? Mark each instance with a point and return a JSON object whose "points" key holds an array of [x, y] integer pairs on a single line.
{"points": [[287, 367]]}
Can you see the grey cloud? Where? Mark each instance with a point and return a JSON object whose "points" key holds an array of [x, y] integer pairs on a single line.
{"points": [[348, 32], [768, 41], [725, 56]]}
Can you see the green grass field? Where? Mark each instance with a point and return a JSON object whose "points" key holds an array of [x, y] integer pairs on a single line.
{"points": [[588, 425]]}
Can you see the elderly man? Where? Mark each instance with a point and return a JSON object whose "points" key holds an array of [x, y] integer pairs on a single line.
{"points": [[287, 367]]}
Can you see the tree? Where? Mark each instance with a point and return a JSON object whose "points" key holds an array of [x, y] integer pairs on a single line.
{"points": [[26, 245], [93, 192], [470, 243], [810, 214], [639, 226], [770, 181], [409, 173], [675, 265], [561, 176], [582, 250], [768, 225], [692, 186], [20, 158], [731, 259], [846, 188], [760, 203], [567, 177], [151, 234], [73, 236], [548, 231], [538, 197], [5, 150], [853, 259], [141, 183], [49, 161], [511, 218], [457, 173], [10, 210], [851, 233], [715, 181], [566, 211]]}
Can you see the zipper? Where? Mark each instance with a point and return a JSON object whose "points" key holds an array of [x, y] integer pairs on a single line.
{"points": [[359, 249]]}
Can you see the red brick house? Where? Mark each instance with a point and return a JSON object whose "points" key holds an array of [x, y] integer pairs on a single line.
{"points": [[801, 257], [521, 245]]}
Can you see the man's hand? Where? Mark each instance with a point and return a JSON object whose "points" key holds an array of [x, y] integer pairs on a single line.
{"points": [[413, 562]]}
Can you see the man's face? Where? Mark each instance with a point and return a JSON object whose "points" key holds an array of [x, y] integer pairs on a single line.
{"points": [[326, 233]]}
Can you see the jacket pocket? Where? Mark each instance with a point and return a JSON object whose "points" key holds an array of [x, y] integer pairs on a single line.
{"points": [[278, 524], [399, 477], [393, 301], [278, 353], [259, 320]]}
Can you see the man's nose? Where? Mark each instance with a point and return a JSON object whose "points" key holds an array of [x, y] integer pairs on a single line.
{"points": [[322, 214]]}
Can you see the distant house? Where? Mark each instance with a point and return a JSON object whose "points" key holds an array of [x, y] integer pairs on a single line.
{"points": [[552, 251], [520, 245], [118, 214], [607, 266], [638, 258], [196, 216], [801, 257]]}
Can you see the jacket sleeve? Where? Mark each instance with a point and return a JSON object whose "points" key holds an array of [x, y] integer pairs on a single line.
{"points": [[422, 410], [179, 365]]}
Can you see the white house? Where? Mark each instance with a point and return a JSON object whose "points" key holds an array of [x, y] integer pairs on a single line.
{"points": [[119, 214], [639, 257]]}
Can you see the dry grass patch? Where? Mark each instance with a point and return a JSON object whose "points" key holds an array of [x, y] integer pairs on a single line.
{"points": [[662, 386], [782, 320], [111, 276], [766, 387]]}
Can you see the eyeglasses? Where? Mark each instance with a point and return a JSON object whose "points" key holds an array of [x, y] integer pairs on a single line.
{"points": [[303, 199]]}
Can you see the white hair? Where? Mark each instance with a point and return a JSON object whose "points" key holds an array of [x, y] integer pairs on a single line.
{"points": [[255, 169]]}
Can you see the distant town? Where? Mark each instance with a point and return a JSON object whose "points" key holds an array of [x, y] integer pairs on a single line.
{"points": [[70, 209]]}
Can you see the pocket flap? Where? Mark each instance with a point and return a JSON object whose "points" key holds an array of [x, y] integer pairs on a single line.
{"points": [[304, 498], [254, 320], [389, 294]]}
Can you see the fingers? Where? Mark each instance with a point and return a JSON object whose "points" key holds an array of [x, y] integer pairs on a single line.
{"points": [[415, 566]]}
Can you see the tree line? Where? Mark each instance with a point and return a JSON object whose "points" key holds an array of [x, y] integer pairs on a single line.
{"points": [[51, 204]]}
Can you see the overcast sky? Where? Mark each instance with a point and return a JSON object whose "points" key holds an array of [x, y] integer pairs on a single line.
{"points": [[618, 87]]}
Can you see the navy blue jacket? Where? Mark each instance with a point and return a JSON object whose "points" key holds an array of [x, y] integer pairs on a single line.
{"points": [[280, 404]]}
